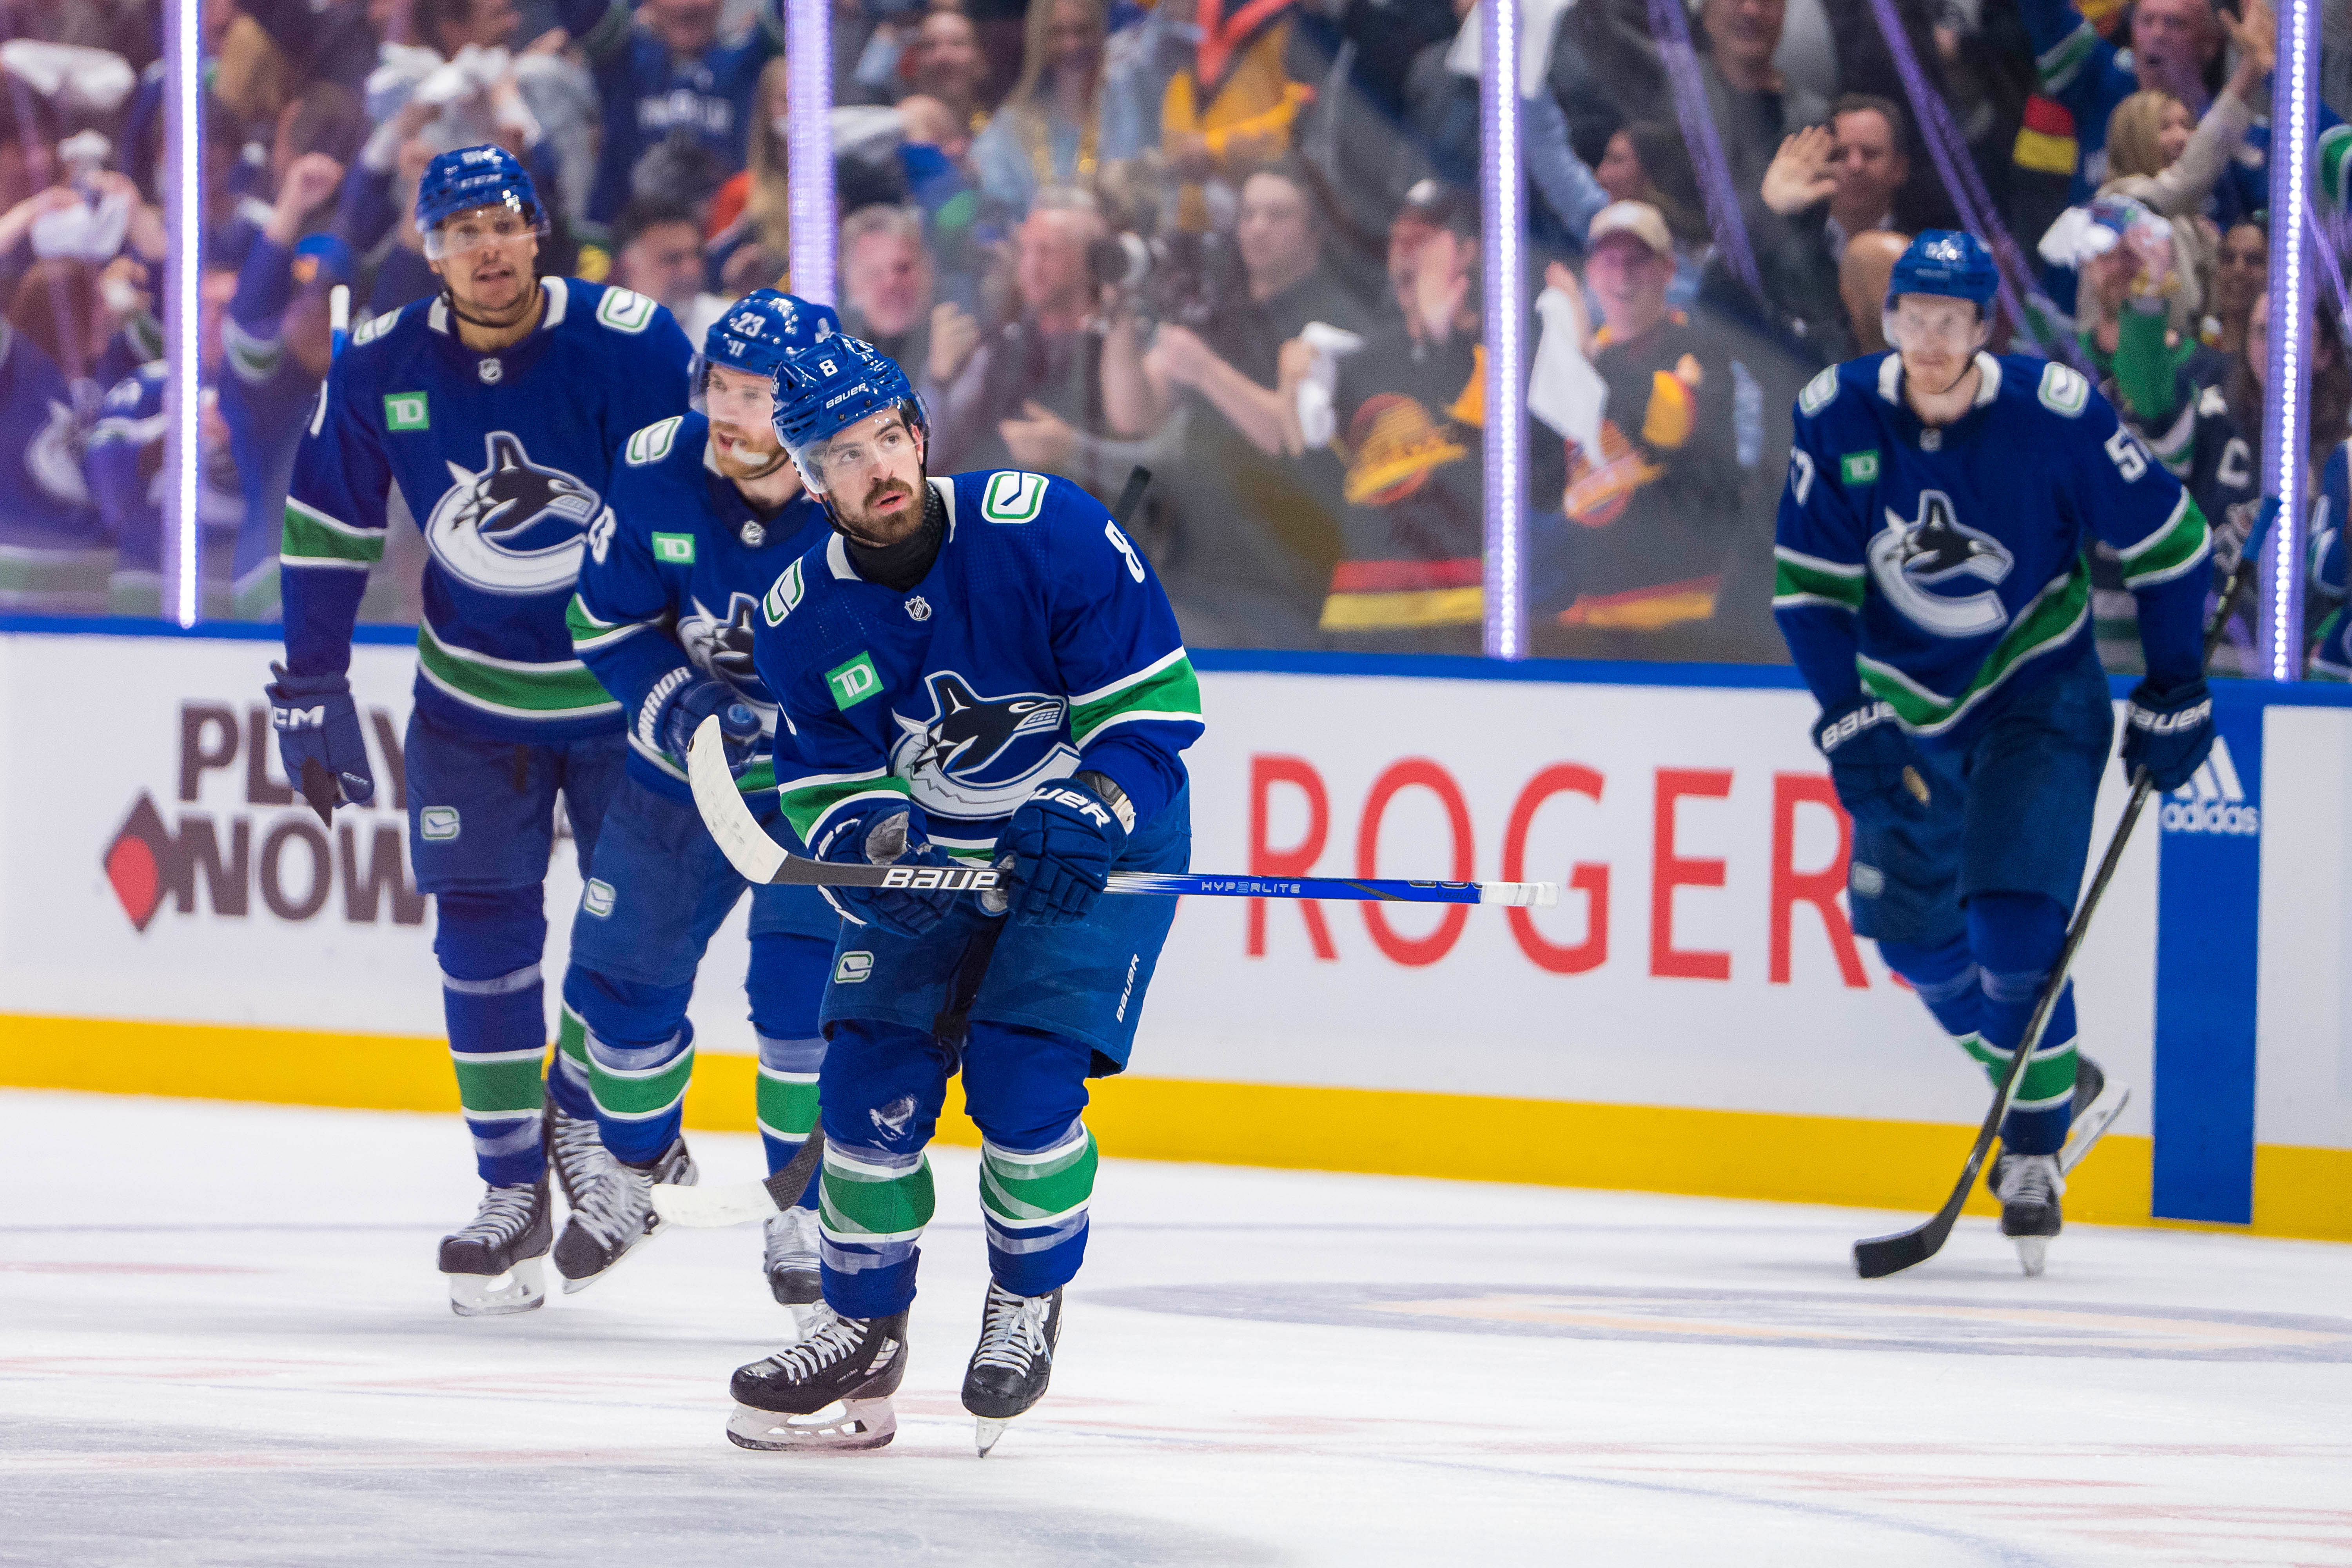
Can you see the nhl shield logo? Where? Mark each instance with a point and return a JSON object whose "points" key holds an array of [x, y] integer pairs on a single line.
{"points": [[919, 608]]}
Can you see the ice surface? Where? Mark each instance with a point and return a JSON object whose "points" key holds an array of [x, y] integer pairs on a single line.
{"points": [[222, 1340]]}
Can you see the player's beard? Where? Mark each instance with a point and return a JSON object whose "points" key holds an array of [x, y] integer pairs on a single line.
{"points": [[499, 301], [736, 467], [874, 495]]}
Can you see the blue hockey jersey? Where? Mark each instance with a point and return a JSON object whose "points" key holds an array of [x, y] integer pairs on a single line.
{"points": [[1932, 565], [52, 553], [676, 564], [1039, 642], [502, 459]]}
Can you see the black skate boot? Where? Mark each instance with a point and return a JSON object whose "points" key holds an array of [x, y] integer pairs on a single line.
{"points": [[612, 1217], [854, 1361], [1014, 1361], [575, 1153], [790, 1260], [2029, 1186], [493, 1262]]}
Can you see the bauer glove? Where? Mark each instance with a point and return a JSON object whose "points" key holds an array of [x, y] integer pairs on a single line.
{"points": [[669, 718], [1873, 764], [319, 739], [886, 833], [1061, 843], [2167, 732]]}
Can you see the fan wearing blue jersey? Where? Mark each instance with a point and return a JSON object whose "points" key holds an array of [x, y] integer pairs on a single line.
{"points": [[497, 408], [984, 666], [1934, 591], [703, 513]]}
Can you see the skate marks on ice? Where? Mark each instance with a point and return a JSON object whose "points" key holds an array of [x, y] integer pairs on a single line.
{"points": [[86, 1493], [1778, 1319]]}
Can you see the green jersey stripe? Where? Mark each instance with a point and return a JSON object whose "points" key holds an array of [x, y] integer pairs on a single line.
{"points": [[589, 632], [811, 800], [2058, 66], [2053, 616], [1803, 578], [2180, 546], [566, 690], [1167, 689], [314, 539]]}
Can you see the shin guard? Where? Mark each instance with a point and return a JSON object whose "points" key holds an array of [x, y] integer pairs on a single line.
{"points": [[1034, 1203], [488, 945], [2016, 938]]}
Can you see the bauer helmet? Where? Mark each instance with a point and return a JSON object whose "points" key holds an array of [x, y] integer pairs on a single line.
{"points": [[1948, 262], [469, 179], [829, 387], [757, 334]]}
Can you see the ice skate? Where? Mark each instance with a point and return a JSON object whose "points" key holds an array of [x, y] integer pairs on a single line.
{"points": [[2029, 1186], [791, 1261], [1014, 1361], [493, 1261], [576, 1152], [616, 1215], [853, 1362], [2096, 1106]]}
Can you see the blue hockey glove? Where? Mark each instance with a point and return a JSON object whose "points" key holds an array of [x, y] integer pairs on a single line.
{"points": [[1061, 843], [886, 833], [679, 712], [2168, 732], [1873, 764], [319, 739]]}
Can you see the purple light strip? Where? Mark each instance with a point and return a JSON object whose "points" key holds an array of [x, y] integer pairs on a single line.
{"points": [[1501, 207], [1669, 31], [808, 46], [2287, 412], [183, 208]]}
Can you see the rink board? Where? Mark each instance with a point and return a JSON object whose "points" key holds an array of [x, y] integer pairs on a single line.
{"points": [[1694, 1017]]}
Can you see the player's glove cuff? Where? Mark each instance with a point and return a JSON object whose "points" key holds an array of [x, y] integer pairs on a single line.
{"points": [[2168, 732]]}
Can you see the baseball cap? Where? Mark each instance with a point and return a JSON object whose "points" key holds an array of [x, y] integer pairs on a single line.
{"points": [[321, 257], [1441, 205], [1639, 219]]}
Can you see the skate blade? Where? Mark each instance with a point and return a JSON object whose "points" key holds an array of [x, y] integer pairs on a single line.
{"points": [[519, 1290], [847, 1427], [2032, 1251], [2095, 1122], [574, 1287], [986, 1432]]}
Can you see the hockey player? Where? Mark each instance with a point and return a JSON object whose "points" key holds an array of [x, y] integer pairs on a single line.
{"points": [[1934, 594], [984, 665], [703, 513], [497, 407]]}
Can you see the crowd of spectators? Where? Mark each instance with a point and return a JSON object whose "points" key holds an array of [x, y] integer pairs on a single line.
{"points": [[1236, 242]]}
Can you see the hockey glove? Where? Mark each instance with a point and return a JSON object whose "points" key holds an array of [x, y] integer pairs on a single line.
{"points": [[2169, 733], [1873, 764], [674, 716], [1060, 842], [886, 833], [319, 739]]}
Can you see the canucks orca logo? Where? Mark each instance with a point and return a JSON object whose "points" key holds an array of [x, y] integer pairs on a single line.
{"points": [[980, 756], [515, 527], [1913, 561], [720, 642]]}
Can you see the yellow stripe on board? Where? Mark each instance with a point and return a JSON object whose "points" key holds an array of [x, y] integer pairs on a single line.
{"points": [[1640, 1148]]}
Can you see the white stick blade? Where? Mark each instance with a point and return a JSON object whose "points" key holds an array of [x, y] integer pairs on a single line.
{"points": [[735, 831], [1520, 895], [710, 1208]]}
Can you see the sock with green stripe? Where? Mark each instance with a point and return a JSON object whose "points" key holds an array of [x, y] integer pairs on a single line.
{"points": [[786, 986], [488, 945], [640, 1055], [1034, 1204], [2016, 938]]}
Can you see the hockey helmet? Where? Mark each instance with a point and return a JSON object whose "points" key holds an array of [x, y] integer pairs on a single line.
{"points": [[1948, 262], [757, 333], [467, 180], [829, 387]]}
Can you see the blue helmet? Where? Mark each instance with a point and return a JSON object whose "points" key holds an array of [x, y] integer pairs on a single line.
{"points": [[762, 329], [470, 177], [825, 388], [1948, 262]]}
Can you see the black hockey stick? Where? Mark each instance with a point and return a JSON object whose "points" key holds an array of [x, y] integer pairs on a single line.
{"points": [[1880, 1255]]}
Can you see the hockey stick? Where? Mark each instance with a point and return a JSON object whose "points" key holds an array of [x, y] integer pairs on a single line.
{"points": [[704, 1208], [1879, 1256], [765, 861]]}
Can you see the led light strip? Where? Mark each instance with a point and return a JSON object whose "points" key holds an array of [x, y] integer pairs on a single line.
{"points": [[2286, 413], [1501, 207], [183, 202], [808, 45]]}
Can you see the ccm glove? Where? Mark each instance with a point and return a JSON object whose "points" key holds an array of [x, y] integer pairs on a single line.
{"points": [[2167, 732], [886, 833], [1060, 845], [678, 704], [319, 738], [1873, 764]]}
